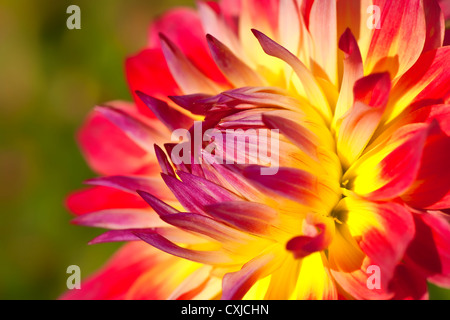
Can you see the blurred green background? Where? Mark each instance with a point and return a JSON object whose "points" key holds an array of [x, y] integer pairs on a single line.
{"points": [[50, 78]]}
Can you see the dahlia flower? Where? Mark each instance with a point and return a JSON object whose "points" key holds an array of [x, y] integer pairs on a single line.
{"points": [[355, 94]]}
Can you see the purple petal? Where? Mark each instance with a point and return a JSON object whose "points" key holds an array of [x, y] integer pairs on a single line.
{"points": [[140, 133], [164, 163], [237, 72], [131, 184], [160, 207], [161, 243], [312, 89], [193, 103], [248, 216], [206, 226], [120, 219], [170, 117], [293, 184], [188, 77]]}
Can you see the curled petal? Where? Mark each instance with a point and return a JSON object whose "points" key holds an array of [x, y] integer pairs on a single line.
{"points": [[236, 284], [302, 246], [164, 163], [159, 206]]}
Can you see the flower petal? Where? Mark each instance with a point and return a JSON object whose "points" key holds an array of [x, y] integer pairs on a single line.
{"points": [[147, 71], [170, 117], [430, 249], [138, 132], [237, 72], [426, 81], [134, 259], [358, 125], [312, 89], [408, 284], [120, 219], [206, 257], [236, 284], [102, 198], [353, 70], [400, 40], [314, 280], [323, 29], [384, 231], [431, 188], [100, 153], [184, 27], [131, 184], [188, 77], [389, 170], [247, 216]]}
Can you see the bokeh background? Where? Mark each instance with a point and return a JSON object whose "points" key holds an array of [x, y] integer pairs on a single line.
{"points": [[50, 78]]}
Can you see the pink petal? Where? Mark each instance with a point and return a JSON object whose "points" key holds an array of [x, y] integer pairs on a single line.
{"points": [[383, 232], [431, 189], [400, 40], [119, 219], [247, 216], [189, 78], [170, 117], [360, 122], [183, 26], [290, 183], [408, 284], [102, 198], [133, 183], [148, 72], [206, 257], [430, 248], [353, 70], [237, 72], [159, 206], [133, 259], [101, 153], [426, 81]]}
